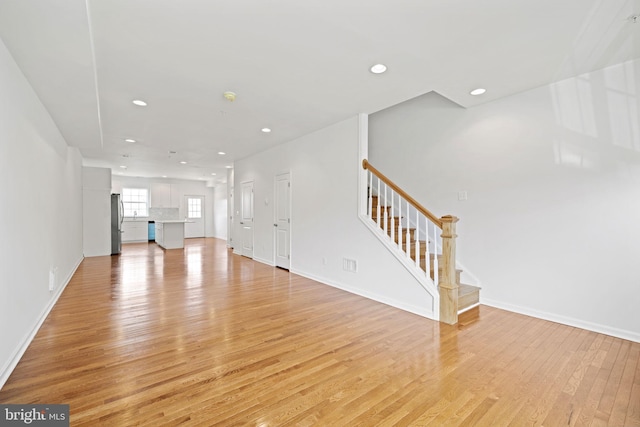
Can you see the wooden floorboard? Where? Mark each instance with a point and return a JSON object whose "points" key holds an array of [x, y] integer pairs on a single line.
{"points": [[202, 337]]}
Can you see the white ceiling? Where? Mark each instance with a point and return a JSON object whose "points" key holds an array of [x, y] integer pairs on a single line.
{"points": [[296, 66]]}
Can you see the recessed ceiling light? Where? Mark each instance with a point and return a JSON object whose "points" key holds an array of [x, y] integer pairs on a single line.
{"points": [[229, 96], [222, 153], [139, 102], [164, 176], [130, 140], [228, 167], [183, 162], [378, 69], [123, 167], [213, 174], [478, 91], [266, 130]]}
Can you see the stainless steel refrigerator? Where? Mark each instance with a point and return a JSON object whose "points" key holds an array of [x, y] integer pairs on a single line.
{"points": [[117, 215]]}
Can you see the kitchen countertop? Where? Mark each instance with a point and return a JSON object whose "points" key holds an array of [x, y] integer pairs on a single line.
{"points": [[172, 221]]}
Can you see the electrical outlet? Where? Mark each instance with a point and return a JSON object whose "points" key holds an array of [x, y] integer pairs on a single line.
{"points": [[52, 278]]}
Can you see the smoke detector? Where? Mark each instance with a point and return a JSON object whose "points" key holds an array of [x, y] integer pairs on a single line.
{"points": [[634, 19], [229, 96]]}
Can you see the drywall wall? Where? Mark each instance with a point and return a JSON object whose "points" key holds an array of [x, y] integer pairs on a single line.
{"points": [[552, 178], [325, 228], [40, 214], [96, 211], [219, 209]]}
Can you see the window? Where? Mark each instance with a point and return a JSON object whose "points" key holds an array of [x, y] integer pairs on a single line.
{"points": [[135, 201], [194, 208]]}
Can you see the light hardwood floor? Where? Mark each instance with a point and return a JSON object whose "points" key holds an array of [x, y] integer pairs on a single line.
{"points": [[203, 337]]}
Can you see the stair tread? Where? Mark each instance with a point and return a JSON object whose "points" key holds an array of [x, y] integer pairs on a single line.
{"points": [[465, 289]]}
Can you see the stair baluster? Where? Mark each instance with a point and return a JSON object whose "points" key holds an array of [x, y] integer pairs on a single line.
{"points": [[378, 204], [417, 241], [393, 219], [370, 197], [386, 211], [399, 222], [408, 239]]}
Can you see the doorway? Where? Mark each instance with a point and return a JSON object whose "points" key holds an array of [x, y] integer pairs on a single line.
{"points": [[194, 206], [282, 222], [246, 218]]}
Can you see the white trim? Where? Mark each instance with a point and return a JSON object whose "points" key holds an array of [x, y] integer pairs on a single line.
{"points": [[263, 261], [468, 308], [8, 368], [422, 311], [363, 152], [569, 321]]}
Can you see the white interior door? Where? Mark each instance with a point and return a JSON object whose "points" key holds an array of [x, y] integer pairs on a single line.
{"points": [[194, 208], [246, 218], [282, 222]]}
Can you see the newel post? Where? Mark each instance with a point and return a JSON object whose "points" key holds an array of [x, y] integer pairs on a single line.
{"points": [[447, 283]]}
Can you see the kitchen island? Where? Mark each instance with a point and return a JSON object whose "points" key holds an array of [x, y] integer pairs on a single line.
{"points": [[170, 233]]}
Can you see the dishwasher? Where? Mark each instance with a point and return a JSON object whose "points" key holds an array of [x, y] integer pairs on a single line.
{"points": [[152, 231]]}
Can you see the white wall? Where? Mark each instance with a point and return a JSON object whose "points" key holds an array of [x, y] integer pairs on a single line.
{"points": [[550, 226], [96, 211], [325, 228], [219, 202], [40, 215]]}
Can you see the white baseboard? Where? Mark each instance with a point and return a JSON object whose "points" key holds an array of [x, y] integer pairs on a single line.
{"points": [[419, 310], [8, 368], [265, 261], [569, 321]]}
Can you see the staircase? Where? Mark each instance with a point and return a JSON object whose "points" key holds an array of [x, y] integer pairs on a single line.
{"points": [[424, 243], [468, 295]]}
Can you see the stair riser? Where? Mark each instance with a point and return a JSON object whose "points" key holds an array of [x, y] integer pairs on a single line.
{"points": [[468, 300], [395, 227]]}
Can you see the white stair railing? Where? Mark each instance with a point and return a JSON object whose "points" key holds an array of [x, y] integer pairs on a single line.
{"points": [[418, 235], [407, 228]]}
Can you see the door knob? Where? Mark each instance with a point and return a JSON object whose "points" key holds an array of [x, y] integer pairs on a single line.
{"points": [[275, 225]]}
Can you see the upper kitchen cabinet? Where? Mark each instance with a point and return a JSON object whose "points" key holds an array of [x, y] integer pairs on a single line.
{"points": [[176, 195], [164, 195], [160, 195]]}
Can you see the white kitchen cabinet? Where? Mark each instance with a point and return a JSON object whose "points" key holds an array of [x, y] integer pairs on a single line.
{"points": [[159, 233], [160, 195], [176, 196], [170, 234], [135, 231]]}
